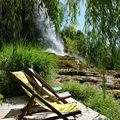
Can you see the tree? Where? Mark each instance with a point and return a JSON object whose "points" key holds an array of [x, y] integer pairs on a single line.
{"points": [[18, 16], [103, 28], [102, 22], [75, 40]]}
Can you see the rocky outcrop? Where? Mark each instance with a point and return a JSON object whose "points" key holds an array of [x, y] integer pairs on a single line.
{"points": [[71, 69], [115, 93]]}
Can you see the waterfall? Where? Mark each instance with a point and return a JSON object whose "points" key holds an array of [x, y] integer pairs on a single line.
{"points": [[46, 29]]}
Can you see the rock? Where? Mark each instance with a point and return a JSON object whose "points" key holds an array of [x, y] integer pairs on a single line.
{"points": [[75, 70], [113, 72], [71, 72], [69, 62], [117, 75], [81, 79], [115, 93]]}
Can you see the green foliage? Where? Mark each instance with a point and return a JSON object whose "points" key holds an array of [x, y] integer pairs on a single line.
{"points": [[19, 59], [117, 61], [102, 28], [12, 17], [80, 92], [17, 16], [108, 106], [71, 46], [1, 98], [75, 41], [93, 98], [104, 86]]}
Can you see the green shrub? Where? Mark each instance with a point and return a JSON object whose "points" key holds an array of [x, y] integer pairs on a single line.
{"points": [[71, 46], [108, 106], [80, 92], [21, 58], [93, 98]]}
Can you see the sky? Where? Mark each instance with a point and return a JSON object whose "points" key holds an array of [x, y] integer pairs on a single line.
{"points": [[81, 17]]}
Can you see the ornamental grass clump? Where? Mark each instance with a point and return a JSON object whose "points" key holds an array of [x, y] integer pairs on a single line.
{"points": [[19, 58], [80, 92], [107, 106], [94, 99]]}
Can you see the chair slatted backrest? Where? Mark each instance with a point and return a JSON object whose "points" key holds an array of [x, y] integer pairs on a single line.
{"points": [[41, 82]]}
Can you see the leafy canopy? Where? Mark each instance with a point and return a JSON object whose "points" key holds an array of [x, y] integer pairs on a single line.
{"points": [[103, 29]]}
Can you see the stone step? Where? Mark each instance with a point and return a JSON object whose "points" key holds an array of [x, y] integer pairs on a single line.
{"points": [[77, 72], [115, 93], [81, 79]]}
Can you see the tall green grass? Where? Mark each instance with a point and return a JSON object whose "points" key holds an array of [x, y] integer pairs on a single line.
{"points": [[22, 57], [80, 92], [106, 106], [94, 99]]}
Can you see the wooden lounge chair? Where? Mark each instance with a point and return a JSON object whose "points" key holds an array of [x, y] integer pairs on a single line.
{"points": [[62, 111], [48, 90]]}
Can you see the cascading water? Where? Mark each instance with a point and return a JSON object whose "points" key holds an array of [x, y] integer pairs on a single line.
{"points": [[46, 29]]}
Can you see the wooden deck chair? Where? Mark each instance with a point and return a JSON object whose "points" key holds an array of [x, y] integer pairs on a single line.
{"points": [[47, 88], [62, 111]]}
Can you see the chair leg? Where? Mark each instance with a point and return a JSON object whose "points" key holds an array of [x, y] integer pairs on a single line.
{"points": [[26, 108], [65, 115], [59, 117]]}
